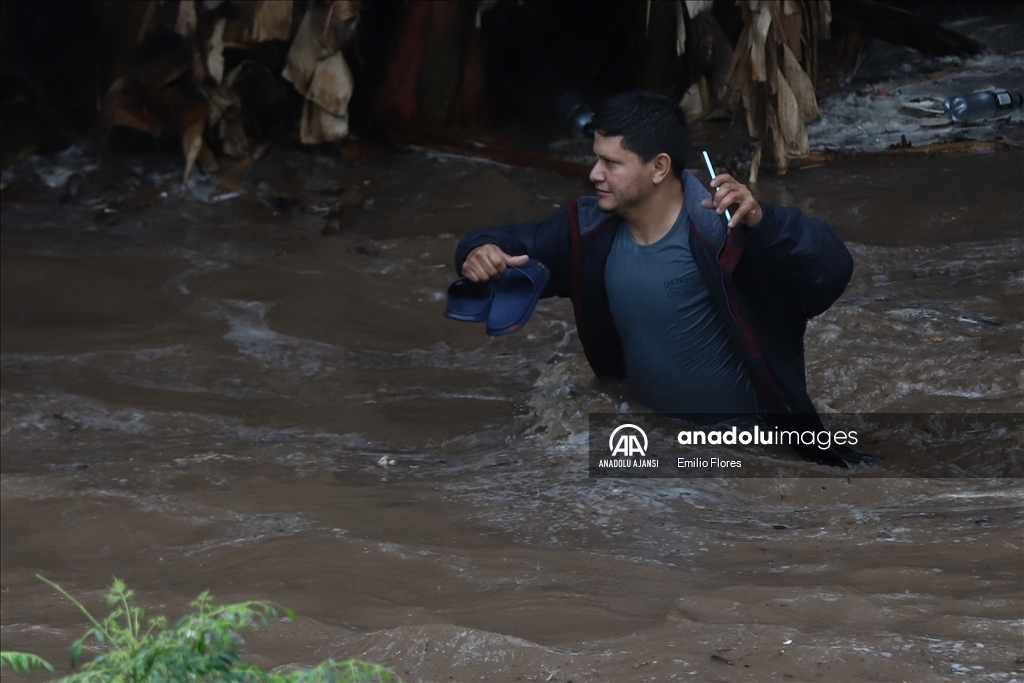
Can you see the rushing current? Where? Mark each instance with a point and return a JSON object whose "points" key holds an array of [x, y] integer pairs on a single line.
{"points": [[202, 390]]}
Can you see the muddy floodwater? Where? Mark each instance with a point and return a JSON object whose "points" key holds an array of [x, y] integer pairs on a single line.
{"points": [[198, 387]]}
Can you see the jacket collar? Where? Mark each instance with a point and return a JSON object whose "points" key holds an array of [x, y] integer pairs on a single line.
{"points": [[589, 215], [712, 227]]}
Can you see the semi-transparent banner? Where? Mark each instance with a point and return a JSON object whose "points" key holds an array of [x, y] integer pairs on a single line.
{"points": [[949, 445]]}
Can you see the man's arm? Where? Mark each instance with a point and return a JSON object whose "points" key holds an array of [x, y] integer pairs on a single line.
{"points": [[547, 241], [804, 251], [801, 251]]}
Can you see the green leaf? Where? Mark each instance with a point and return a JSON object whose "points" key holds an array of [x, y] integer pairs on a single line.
{"points": [[67, 595], [23, 662], [76, 651]]}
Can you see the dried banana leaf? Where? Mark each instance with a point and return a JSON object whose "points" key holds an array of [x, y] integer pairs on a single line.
{"points": [[800, 84]]}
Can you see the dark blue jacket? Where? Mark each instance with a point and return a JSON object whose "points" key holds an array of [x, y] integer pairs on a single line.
{"points": [[765, 284]]}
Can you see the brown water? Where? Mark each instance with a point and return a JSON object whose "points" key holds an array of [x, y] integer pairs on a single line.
{"points": [[197, 390]]}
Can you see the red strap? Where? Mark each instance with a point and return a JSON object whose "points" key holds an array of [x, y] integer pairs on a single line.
{"points": [[577, 269]]}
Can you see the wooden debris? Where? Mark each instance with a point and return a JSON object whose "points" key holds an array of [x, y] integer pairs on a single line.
{"points": [[215, 51], [695, 101], [194, 122], [901, 27], [163, 96], [187, 19], [680, 29], [755, 165], [150, 99], [775, 89], [437, 75], [258, 22], [206, 160], [325, 113], [318, 70], [956, 147], [800, 84], [322, 32], [707, 61]]}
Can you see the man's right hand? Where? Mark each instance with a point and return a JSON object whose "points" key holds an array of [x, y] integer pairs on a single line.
{"points": [[489, 263]]}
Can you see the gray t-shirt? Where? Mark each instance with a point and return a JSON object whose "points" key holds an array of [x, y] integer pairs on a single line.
{"points": [[679, 355]]}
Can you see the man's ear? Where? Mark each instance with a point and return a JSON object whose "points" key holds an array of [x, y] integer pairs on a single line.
{"points": [[662, 168]]}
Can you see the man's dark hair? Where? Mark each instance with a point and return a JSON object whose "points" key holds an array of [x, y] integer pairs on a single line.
{"points": [[649, 124]]}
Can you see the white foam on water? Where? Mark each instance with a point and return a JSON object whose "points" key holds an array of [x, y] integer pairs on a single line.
{"points": [[249, 331]]}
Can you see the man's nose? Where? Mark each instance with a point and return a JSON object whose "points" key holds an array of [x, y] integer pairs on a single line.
{"points": [[596, 174]]}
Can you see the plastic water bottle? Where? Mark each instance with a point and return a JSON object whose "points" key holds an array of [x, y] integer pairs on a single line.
{"points": [[981, 105], [573, 110]]}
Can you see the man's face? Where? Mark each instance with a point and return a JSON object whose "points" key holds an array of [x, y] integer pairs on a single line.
{"points": [[622, 180]]}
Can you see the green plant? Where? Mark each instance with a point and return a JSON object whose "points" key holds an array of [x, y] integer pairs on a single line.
{"points": [[201, 647], [23, 662]]}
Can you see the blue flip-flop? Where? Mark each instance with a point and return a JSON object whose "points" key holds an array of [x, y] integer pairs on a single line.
{"points": [[469, 301], [515, 296]]}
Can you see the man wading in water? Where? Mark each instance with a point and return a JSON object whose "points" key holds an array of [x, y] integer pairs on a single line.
{"points": [[705, 318]]}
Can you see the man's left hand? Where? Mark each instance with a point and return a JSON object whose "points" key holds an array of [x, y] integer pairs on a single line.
{"points": [[728, 192]]}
